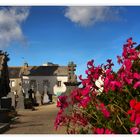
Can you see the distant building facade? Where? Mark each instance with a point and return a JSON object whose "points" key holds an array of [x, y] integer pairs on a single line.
{"points": [[48, 78]]}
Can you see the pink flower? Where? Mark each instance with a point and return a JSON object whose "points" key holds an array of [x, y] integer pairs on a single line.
{"points": [[130, 40], [58, 104], [114, 85], [119, 59], [134, 130], [76, 95], [124, 54], [100, 131], [127, 64], [62, 101], [137, 120], [136, 76], [137, 107], [128, 81], [59, 119], [107, 131], [90, 63], [84, 81], [132, 103], [105, 112], [136, 85], [80, 77], [133, 114], [84, 101], [103, 131], [87, 72], [85, 91]]}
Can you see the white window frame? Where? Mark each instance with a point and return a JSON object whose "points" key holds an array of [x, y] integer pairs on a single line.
{"points": [[59, 83], [13, 83]]}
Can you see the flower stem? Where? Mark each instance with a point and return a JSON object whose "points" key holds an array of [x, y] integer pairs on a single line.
{"points": [[120, 108], [86, 113], [122, 124]]}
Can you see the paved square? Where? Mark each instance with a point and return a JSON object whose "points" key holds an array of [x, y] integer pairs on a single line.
{"points": [[40, 121]]}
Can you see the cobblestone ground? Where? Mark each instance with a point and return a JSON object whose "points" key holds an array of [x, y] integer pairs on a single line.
{"points": [[40, 121]]}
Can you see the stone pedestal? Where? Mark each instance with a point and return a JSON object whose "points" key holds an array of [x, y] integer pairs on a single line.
{"points": [[4, 115], [70, 86], [20, 101], [6, 102], [45, 98], [26, 95], [38, 97], [12, 96], [72, 83]]}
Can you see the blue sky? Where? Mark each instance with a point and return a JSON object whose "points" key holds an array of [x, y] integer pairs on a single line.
{"points": [[63, 34]]}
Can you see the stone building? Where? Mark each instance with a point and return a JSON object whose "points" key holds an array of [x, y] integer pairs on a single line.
{"points": [[48, 78]]}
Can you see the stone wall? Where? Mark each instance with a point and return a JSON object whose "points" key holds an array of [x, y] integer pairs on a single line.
{"points": [[52, 88]]}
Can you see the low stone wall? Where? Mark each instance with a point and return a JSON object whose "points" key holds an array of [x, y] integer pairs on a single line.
{"points": [[4, 115], [4, 127]]}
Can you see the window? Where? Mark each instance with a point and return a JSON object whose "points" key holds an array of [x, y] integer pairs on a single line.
{"points": [[12, 83], [59, 83], [26, 81]]}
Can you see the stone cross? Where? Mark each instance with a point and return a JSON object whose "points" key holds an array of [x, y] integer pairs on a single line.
{"points": [[71, 72]]}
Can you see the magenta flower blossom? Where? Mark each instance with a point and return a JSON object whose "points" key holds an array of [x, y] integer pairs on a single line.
{"points": [[100, 131], [136, 85], [134, 112], [136, 75], [103, 109], [134, 130], [103, 131], [119, 59], [84, 102], [90, 63], [88, 107], [137, 120], [62, 101], [127, 64], [85, 91], [107, 131]]}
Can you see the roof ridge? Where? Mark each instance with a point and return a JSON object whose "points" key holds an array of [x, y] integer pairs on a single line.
{"points": [[14, 67]]}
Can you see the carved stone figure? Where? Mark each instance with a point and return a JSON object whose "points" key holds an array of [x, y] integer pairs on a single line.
{"points": [[4, 74]]}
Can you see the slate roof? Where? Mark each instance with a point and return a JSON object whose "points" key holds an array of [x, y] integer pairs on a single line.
{"points": [[14, 72], [48, 70]]}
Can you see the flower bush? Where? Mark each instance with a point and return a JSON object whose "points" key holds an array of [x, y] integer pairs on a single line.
{"points": [[110, 107]]}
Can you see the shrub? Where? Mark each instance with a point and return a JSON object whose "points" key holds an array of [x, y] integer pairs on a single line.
{"points": [[110, 107]]}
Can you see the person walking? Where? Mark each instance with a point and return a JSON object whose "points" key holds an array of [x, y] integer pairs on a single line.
{"points": [[31, 98]]}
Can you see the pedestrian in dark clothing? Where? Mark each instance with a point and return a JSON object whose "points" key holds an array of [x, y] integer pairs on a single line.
{"points": [[31, 97]]}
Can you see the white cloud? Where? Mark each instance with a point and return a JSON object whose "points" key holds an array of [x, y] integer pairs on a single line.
{"points": [[11, 19], [90, 15]]}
